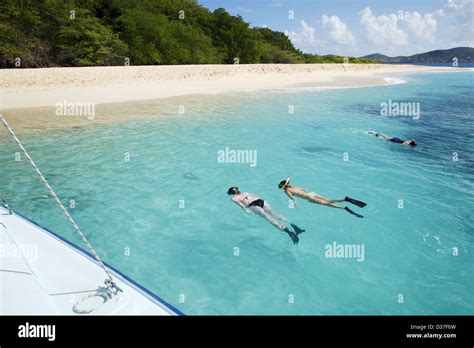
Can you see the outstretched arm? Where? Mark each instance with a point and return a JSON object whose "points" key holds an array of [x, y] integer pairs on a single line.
{"points": [[241, 205], [379, 135], [384, 137], [288, 193]]}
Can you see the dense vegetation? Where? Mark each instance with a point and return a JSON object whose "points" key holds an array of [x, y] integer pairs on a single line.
{"points": [[42, 33]]}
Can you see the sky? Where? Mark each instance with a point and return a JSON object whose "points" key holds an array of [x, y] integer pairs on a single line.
{"points": [[361, 27]]}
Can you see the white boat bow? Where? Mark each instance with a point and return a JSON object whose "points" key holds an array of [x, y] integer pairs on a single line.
{"points": [[41, 273]]}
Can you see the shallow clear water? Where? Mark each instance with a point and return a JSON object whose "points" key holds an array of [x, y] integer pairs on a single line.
{"points": [[130, 210]]}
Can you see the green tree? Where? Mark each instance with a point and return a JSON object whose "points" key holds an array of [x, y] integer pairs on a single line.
{"points": [[235, 39], [143, 33], [189, 45], [154, 39], [104, 32], [83, 40], [20, 29]]}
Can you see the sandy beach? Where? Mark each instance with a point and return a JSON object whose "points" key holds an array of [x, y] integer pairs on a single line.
{"points": [[28, 97]]}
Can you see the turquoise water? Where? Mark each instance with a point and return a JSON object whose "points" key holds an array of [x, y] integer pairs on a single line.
{"points": [[132, 211]]}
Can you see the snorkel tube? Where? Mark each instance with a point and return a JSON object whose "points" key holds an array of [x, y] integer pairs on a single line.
{"points": [[284, 183]]}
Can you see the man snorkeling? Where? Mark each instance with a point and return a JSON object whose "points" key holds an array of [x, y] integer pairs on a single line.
{"points": [[251, 203], [315, 198], [396, 140]]}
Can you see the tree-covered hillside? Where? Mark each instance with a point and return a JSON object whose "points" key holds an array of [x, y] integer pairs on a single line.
{"points": [[462, 55], [44, 33]]}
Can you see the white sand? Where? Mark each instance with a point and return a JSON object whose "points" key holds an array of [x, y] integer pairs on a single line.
{"points": [[33, 88], [21, 88]]}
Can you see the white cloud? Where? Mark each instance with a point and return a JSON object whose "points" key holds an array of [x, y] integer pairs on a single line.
{"points": [[399, 33], [402, 33], [451, 6], [303, 36], [450, 26], [420, 26], [382, 29], [277, 3], [455, 5], [241, 10], [337, 30], [458, 15]]}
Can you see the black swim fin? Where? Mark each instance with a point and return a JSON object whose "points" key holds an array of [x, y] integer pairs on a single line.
{"points": [[293, 236], [355, 201], [353, 212], [298, 230]]}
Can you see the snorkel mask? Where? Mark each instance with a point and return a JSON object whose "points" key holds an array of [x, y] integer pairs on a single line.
{"points": [[284, 184]]}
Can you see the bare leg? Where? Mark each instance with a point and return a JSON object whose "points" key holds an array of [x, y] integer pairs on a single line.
{"points": [[330, 204], [324, 201], [260, 211], [345, 208], [336, 200], [266, 216], [268, 209]]}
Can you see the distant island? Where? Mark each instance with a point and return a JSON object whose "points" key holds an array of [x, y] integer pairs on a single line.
{"points": [[463, 54], [137, 32]]}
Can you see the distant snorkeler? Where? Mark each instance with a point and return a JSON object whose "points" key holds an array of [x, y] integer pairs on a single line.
{"points": [[315, 198], [251, 203], [396, 140]]}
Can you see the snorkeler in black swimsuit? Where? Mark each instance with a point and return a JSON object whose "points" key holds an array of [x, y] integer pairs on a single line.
{"points": [[256, 205], [393, 139], [396, 140]]}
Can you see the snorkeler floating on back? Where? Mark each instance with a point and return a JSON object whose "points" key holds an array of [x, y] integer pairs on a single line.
{"points": [[315, 198], [251, 203], [396, 140]]}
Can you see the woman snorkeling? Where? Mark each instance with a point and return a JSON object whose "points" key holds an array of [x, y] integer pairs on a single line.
{"points": [[312, 197]]}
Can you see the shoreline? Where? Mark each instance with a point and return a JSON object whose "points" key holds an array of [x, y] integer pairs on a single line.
{"points": [[28, 96], [23, 88]]}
